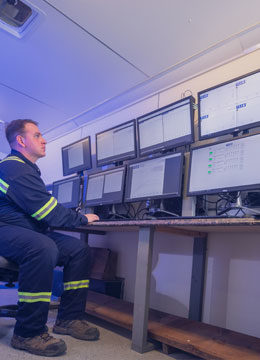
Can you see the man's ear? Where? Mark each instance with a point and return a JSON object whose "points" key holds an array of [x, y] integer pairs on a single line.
{"points": [[20, 140]]}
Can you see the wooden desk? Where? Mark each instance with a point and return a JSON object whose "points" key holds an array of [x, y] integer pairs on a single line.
{"points": [[198, 229]]}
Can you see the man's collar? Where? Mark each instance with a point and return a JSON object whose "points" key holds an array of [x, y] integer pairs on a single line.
{"points": [[21, 156]]}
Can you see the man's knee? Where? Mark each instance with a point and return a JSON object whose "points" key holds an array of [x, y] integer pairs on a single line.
{"points": [[45, 250]]}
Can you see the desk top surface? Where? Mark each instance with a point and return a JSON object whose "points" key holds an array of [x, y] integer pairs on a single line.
{"points": [[185, 226]]}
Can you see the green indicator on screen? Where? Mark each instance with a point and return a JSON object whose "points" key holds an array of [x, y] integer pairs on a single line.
{"points": [[211, 152], [210, 159], [210, 165], [209, 172]]}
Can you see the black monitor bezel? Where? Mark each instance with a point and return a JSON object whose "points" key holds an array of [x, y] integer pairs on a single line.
{"points": [[86, 157], [97, 202], [75, 191], [117, 158], [127, 180], [171, 144], [230, 130], [219, 190]]}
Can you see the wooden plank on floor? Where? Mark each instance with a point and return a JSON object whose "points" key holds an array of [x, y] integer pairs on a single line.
{"points": [[206, 341]]}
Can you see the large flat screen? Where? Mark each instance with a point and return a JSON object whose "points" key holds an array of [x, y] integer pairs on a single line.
{"points": [[155, 178], [166, 128], [105, 187], [116, 144], [67, 191], [226, 166], [230, 107], [76, 157]]}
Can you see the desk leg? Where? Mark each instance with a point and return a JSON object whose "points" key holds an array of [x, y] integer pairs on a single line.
{"points": [[84, 236], [142, 290], [197, 278]]}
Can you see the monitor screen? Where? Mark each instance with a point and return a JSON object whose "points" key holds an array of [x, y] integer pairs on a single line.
{"points": [[226, 166], [67, 191], [166, 128], [154, 178], [76, 157], [230, 107], [106, 187], [116, 144]]}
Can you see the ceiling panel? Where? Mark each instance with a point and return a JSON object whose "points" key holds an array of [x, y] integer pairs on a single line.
{"points": [[63, 66], [154, 35], [15, 105]]}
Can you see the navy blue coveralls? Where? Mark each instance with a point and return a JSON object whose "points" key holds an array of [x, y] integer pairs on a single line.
{"points": [[26, 212]]}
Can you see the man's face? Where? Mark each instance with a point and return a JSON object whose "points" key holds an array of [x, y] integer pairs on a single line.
{"points": [[33, 141]]}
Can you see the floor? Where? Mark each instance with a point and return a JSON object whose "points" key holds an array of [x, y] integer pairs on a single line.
{"points": [[114, 343]]}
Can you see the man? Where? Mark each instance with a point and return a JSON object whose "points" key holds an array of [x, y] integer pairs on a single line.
{"points": [[27, 211]]}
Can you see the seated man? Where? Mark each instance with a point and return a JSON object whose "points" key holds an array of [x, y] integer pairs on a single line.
{"points": [[26, 212]]}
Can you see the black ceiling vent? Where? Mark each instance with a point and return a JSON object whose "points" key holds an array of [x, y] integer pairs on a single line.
{"points": [[14, 12], [19, 17]]}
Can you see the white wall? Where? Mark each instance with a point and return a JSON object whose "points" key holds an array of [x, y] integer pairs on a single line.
{"points": [[2, 155], [232, 289]]}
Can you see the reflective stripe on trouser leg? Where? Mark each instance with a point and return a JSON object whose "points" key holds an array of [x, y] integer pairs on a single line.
{"points": [[31, 297], [74, 285]]}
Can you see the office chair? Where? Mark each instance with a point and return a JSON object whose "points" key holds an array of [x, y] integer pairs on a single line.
{"points": [[9, 274]]}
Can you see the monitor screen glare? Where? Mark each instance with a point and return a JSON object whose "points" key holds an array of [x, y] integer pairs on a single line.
{"points": [[159, 177], [231, 107], [116, 144], [227, 166], [105, 187], [165, 128]]}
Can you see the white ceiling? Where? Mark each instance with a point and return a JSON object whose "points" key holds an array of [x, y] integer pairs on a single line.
{"points": [[85, 58]]}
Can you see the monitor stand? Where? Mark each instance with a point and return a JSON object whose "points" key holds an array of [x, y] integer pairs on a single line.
{"points": [[238, 205], [81, 191], [155, 212], [114, 215]]}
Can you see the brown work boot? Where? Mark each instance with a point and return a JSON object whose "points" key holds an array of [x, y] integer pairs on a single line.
{"points": [[43, 344], [79, 329]]}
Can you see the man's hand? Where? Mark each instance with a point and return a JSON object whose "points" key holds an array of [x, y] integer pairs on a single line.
{"points": [[91, 217]]}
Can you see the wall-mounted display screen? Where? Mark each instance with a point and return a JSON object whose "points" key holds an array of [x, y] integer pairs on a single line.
{"points": [[155, 178], [106, 187], [230, 107], [166, 128], [226, 166], [76, 157], [67, 191], [116, 144]]}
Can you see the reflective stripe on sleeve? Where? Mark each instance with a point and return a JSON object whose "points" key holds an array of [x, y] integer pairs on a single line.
{"points": [[73, 285], [46, 209], [3, 186], [15, 158], [34, 297]]}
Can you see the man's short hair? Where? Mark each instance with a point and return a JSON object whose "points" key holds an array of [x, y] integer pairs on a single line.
{"points": [[16, 127]]}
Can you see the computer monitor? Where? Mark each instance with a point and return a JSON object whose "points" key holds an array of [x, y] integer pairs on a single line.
{"points": [[230, 107], [166, 128], [154, 178], [226, 166], [67, 191], [76, 157], [116, 144], [105, 187]]}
